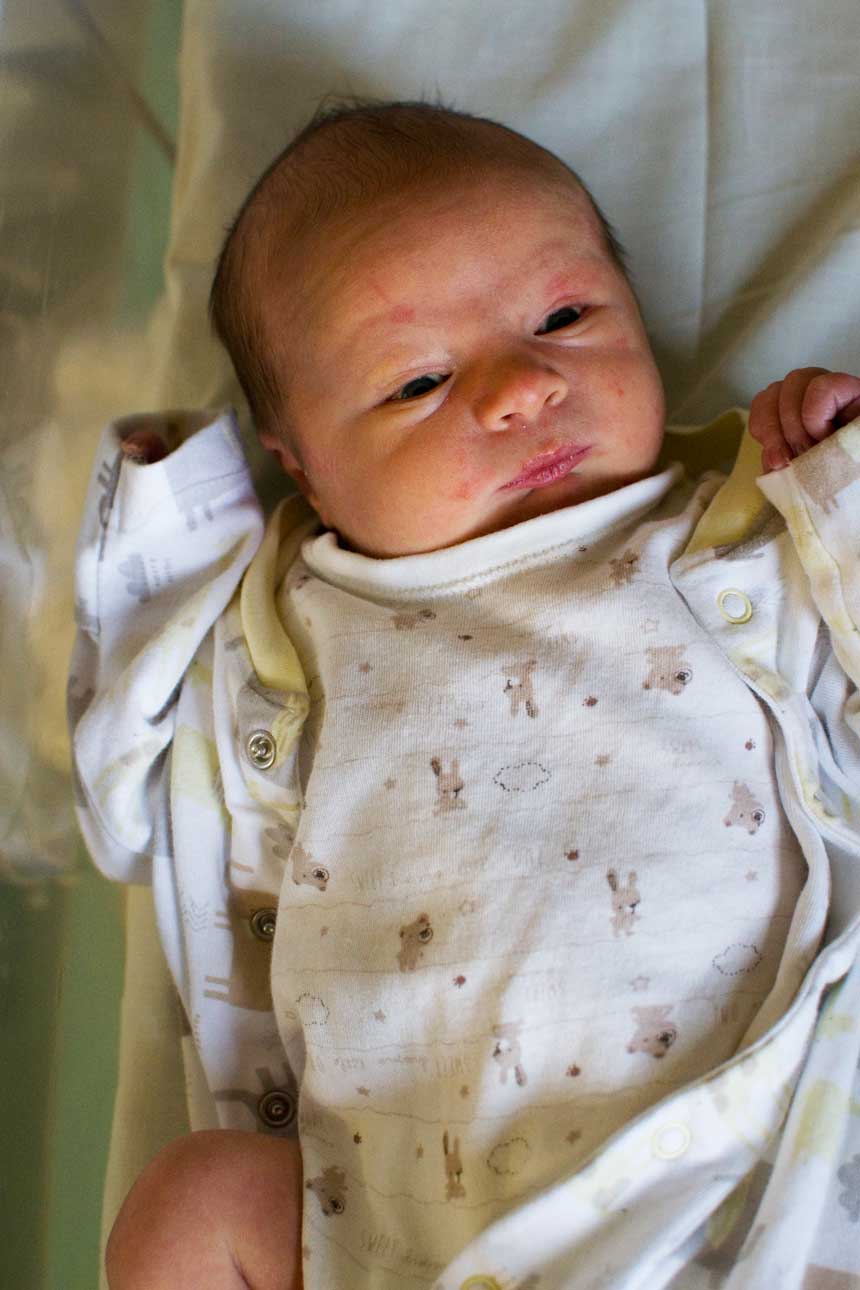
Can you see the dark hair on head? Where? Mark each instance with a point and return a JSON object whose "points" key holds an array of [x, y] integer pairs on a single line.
{"points": [[362, 149]]}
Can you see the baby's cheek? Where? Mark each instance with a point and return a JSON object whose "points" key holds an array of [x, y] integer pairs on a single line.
{"points": [[465, 490]]}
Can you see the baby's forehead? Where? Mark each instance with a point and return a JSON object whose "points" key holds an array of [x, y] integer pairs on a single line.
{"points": [[371, 223]]}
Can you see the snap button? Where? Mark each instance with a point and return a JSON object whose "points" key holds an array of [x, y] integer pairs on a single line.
{"points": [[740, 608], [261, 749], [671, 1141], [276, 1108], [480, 1283], [263, 924]]}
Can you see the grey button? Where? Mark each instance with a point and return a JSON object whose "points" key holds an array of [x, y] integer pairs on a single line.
{"points": [[261, 749], [263, 924], [277, 1108]]}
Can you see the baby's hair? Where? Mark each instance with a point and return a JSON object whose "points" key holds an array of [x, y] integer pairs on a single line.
{"points": [[352, 153]]}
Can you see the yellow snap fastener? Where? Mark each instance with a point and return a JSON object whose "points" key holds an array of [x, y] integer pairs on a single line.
{"points": [[480, 1283], [671, 1141], [734, 605]]}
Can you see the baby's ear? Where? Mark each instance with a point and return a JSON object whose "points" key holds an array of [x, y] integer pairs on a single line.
{"points": [[274, 444], [291, 466]]}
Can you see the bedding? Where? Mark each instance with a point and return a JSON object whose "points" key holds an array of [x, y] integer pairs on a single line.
{"points": [[719, 137]]}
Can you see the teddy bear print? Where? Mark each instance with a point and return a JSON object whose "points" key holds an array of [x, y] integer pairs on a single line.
{"points": [[306, 870], [521, 690], [654, 1034], [746, 809], [414, 936], [508, 1052], [454, 1189], [449, 785], [624, 902], [329, 1188], [624, 568], [669, 669], [406, 622]]}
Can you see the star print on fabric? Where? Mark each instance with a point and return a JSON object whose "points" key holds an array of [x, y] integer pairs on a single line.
{"points": [[364, 667], [365, 1092], [419, 1153], [573, 1070], [640, 982], [464, 1091], [379, 1015], [574, 1136], [356, 1137], [749, 745], [323, 931], [572, 855], [391, 783], [751, 875], [459, 980]]}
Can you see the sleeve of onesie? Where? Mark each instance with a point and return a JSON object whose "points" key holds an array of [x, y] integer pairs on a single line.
{"points": [[160, 553], [818, 495]]}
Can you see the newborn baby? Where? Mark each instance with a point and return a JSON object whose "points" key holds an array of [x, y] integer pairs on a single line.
{"points": [[518, 933]]}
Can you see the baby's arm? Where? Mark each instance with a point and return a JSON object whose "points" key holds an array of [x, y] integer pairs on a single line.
{"points": [[215, 1210], [799, 411], [161, 550]]}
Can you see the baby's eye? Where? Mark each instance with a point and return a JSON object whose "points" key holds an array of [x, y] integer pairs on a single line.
{"points": [[568, 315], [403, 394]]}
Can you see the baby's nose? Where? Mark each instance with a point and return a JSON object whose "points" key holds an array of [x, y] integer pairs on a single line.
{"points": [[518, 389]]}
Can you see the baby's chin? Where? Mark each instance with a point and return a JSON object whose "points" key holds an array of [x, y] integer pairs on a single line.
{"points": [[393, 546], [508, 511]]}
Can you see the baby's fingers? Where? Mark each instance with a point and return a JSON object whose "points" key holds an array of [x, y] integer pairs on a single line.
{"points": [[830, 401], [144, 447], [793, 391], [764, 425]]}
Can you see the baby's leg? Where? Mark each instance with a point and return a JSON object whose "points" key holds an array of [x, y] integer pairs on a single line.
{"points": [[216, 1210]]}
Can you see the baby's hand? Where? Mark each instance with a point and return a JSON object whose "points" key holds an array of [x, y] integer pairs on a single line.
{"points": [[796, 413], [144, 447]]}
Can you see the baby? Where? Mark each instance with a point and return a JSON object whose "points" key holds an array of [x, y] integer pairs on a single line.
{"points": [[537, 870]]}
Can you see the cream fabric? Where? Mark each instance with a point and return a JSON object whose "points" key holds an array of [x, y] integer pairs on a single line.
{"points": [[194, 737], [541, 879]]}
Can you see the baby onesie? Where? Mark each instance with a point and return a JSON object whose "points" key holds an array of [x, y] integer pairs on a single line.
{"points": [[541, 876]]}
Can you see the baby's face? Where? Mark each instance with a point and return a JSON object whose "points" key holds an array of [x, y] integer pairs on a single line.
{"points": [[462, 366]]}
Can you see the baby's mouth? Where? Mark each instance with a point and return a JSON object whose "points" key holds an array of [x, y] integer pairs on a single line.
{"points": [[548, 467]]}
